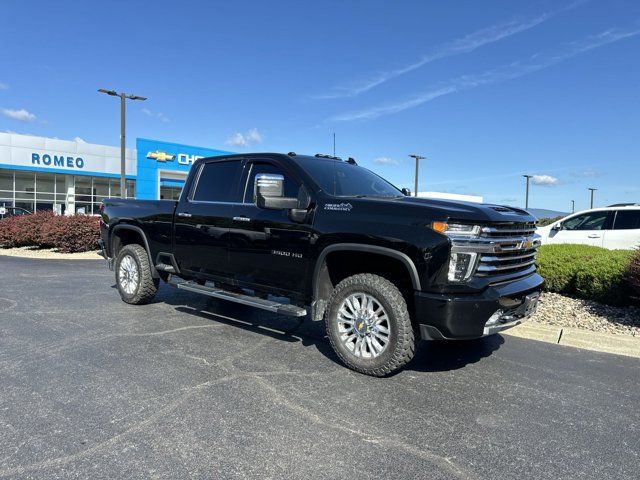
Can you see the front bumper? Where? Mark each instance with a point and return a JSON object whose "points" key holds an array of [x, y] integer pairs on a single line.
{"points": [[465, 316]]}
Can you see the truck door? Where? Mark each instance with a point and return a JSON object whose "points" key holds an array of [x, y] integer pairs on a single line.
{"points": [[268, 249], [203, 217]]}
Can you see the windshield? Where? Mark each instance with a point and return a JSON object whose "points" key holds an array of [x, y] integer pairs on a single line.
{"points": [[345, 180]]}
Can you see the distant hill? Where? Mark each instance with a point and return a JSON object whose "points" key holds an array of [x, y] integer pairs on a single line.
{"points": [[544, 213]]}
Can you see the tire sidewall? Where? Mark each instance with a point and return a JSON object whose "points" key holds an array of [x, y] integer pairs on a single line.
{"points": [[133, 254], [332, 328]]}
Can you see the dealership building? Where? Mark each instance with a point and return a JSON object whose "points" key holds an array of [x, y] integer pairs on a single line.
{"points": [[69, 177]]}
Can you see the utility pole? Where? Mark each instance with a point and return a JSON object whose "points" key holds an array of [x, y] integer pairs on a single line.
{"points": [[334, 144], [123, 144], [417, 158], [573, 206], [526, 198], [592, 190]]}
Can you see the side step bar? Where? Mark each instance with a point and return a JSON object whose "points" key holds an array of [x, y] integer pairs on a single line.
{"points": [[270, 305]]}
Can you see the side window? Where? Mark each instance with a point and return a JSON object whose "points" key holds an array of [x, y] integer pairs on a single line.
{"points": [[290, 187], [627, 220], [218, 182], [586, 221]]}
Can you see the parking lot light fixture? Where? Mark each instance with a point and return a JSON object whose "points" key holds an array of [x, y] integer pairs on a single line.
{"points": [[417, 158], [526, 196], [123, 98], [591, 189]]}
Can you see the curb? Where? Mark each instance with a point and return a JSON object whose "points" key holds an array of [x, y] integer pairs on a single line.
{"points": [[576, 337], [47, 255]]}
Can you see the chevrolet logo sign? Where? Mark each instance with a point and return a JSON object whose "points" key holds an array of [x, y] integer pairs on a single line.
{"points": [[161, 156]]}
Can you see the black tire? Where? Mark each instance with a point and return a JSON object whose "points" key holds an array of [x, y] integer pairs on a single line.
{"points": [[401, 340], [147, 286]]}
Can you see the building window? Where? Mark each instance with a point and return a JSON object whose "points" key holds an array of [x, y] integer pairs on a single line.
{"points": [[48, 191]]}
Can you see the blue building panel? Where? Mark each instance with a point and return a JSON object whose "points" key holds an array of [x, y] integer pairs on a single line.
{"points": [[163, 163]]}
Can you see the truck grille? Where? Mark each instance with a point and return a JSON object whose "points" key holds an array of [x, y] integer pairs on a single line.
{"points": [[509, 248]]}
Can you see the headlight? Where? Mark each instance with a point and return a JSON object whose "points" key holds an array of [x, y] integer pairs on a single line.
{"points": [[456, 229], [461, 266]]}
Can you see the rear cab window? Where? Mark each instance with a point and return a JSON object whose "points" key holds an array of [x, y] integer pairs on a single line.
{"points": [[217, 182]]}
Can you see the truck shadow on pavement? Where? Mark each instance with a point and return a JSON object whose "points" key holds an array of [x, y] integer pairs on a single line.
{"points": [[431, 356]]}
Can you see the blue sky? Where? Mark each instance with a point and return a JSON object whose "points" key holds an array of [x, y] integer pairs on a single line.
{"points": [[486, 90]]}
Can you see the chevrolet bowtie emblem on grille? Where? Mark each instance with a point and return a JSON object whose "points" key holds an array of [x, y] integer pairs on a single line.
{"points": [[527, 244], [161, 156]]}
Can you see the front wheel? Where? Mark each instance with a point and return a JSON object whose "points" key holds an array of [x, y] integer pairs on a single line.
{"points": [[133, 275], [368, 325]]}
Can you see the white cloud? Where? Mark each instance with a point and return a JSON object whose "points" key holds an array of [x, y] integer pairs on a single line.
{"points": [[251, 137], [545, 180], [4, 86], [465, 44], [79, 139], [503, 73], [21, 114], [588, 173], [158, 115], [385, 161]]}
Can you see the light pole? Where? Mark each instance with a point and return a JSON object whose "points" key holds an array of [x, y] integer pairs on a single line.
{"points": [[592, 190], [417, 158], [123, 98], [573, 206], [526, 197]]}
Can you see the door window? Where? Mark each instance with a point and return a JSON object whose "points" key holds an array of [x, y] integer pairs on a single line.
{"points": [[290, 187], [586, 221], [218, 182], [627, 220]]}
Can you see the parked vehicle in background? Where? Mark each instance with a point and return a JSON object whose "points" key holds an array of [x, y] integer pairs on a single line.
{"points": [[6, 212], [616, 227], [381, 268]]}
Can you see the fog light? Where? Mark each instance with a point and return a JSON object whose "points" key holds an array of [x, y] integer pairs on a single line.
{"points": [[461, 266]]}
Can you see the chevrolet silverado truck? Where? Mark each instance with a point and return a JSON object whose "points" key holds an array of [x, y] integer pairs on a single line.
{"points": [[326, 239]]}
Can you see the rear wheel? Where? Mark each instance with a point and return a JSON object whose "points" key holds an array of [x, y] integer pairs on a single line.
{"points": [[368, 325], [133, 275]]}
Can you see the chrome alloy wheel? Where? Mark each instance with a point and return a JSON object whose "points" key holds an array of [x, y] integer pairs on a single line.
{"points": [[363, 325], [128, 275]]}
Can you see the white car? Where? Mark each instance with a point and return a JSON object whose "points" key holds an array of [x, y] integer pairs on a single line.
{"points": [[614, 227]]}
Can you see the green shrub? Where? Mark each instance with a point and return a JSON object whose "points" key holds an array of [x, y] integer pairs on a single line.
{"points": [[633, 275], [588, 272]]}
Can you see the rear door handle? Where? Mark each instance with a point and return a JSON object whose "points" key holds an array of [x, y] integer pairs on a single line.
{"points": [[184, 214], [594, 235], [241, 219]]}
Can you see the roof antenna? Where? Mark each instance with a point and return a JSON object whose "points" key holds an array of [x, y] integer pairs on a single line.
{"points": [[334, 144]]}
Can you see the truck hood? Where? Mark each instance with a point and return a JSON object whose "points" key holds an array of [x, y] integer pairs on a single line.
{"points": [[469, 211]]}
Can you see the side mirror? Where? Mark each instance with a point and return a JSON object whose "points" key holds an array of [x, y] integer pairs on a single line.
{"points": [[557, 227], [406, 192], [269, 190]]}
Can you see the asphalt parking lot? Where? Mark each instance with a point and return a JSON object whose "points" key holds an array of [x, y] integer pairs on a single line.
{"points": [[190, 387]]}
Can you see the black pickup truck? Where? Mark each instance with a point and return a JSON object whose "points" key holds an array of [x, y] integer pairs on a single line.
{"points": [[382, 268]]}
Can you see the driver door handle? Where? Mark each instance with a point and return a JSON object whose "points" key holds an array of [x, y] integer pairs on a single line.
{"points": [[184, 214], [594, 235]]}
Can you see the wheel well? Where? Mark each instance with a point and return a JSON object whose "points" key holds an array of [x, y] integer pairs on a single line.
{"points": [[125, 236], [341, 264]]}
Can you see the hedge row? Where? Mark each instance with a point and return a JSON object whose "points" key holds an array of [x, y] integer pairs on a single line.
{"points": [[634, 276], [77, 233], [588, 272]]}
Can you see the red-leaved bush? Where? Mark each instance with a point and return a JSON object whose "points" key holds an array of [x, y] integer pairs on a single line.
{"points": [[77, 233]]}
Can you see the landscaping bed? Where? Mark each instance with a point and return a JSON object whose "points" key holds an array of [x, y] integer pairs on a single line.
{"points": [[49, 253], [565, 311]]}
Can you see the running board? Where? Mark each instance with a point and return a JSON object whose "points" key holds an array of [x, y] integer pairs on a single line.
{"points": [[270, 305]]}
